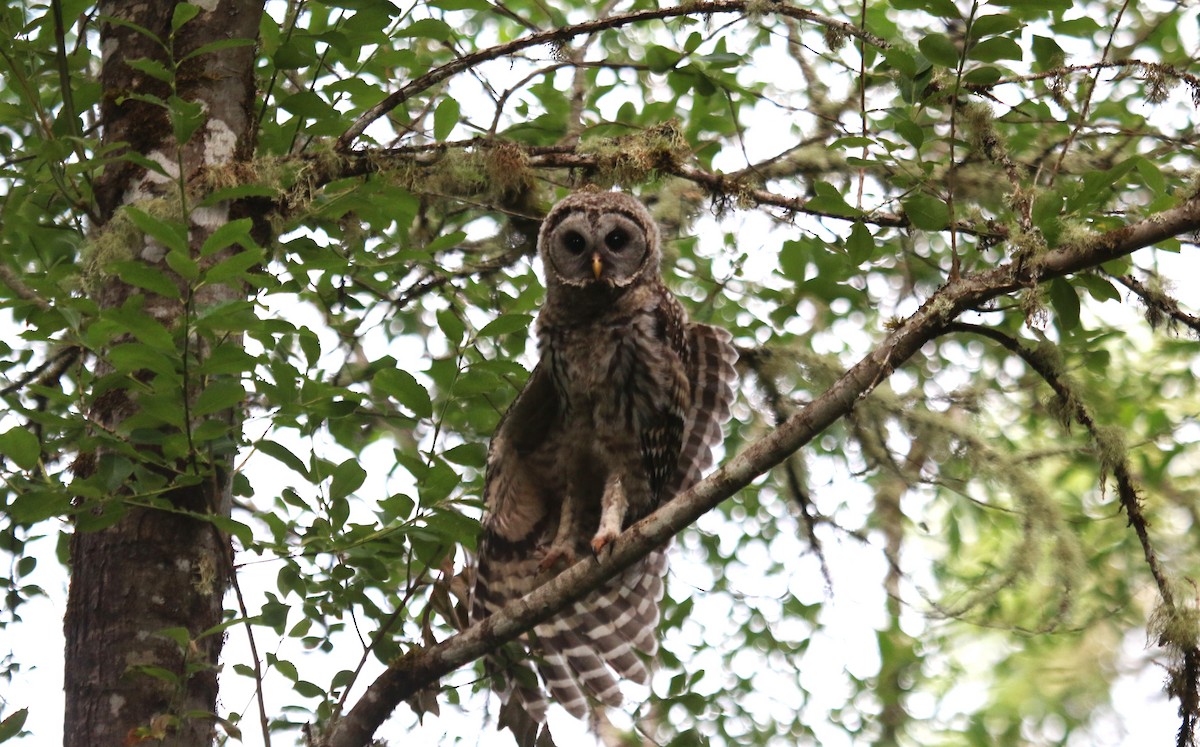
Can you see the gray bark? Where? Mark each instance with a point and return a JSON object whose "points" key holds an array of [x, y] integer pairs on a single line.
{"points": [[155, 570]]}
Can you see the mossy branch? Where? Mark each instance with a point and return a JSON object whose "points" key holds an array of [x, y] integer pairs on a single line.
{"points": [[1160, 307]]}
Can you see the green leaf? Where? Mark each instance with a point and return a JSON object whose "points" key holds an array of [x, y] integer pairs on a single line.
{"points": [[21, 446], [445, 118], [429, 28], [1095, 186], [996, 48], [287, 669], [439, 482], [661, 59], [293, 55], [452, 526], [793, 260], [994, 25], [1097, 287], [721, 60], [982, 76], [184, 12], [237, 193], [235, 267], [939, 50], [1084, 27], [452, 327], [446, 241], [1046, 208], [211, 429], [145, 276], [228, 234], [171, 234], [861, 244], [911, 132], [940, 8], [233, 527], [38, 505], [901, 61], [228, 359], [467, 455], [1047, 55], [506, 324], [217, 46], [186, 117], [153, 68], [180, 636], [142, 30], [476, 5], [282, 454], [12, 725], [132, 357], [927, 212], [829, 200], [141, 325], [1065, 301], [1152, 177], [308, 105], [221, 394], [403, 387], [347, 478], [184, 265], [1034, 8]]}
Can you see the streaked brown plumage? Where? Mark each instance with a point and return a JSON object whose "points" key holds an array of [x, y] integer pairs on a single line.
{"points": [[620, 414]]}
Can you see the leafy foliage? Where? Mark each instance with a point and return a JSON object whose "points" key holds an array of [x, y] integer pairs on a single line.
{"points": [[818, 173]]}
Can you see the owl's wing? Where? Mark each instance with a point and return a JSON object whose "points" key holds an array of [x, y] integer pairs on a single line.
{"points": [[713, 378], [521, 494], [515, 492]]}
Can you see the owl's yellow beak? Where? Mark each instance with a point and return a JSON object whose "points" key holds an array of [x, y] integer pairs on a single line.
{"points": [[597, 265]]}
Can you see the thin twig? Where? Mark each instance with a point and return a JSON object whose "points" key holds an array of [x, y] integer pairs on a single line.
{"points": [[263, 721], [561, 35], [1087, 96]]}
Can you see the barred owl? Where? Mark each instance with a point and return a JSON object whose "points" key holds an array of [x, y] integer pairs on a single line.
{"points": [[621, 413]]}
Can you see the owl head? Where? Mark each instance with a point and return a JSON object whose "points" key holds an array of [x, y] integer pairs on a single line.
{"points": [[599, 239]]}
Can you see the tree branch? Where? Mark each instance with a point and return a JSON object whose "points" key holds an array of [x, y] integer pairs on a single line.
{"points": [[561, 35], [1159, 305], [422, 667]]}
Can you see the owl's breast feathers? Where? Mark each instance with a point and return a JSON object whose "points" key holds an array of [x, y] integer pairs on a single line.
{"points": [[622, 378]]}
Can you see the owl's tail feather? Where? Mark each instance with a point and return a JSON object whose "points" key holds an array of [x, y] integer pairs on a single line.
{"points": [[602, 636], [522, 685]]}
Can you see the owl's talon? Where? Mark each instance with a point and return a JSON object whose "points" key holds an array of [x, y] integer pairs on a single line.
{"points": [[555, 553], [601, 541]]}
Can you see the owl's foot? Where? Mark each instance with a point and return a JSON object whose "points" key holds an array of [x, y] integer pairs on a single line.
{"points": [[555, 553], [602, 540]]}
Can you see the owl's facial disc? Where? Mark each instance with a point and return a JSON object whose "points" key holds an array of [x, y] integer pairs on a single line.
{"points": [[585, 249]]}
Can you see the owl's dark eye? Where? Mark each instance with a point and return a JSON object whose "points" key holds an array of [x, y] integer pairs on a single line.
{"points": [[574, 242], [616, 240]]}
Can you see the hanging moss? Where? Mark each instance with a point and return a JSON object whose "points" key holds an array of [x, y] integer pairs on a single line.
{"points": [[639, 158]]}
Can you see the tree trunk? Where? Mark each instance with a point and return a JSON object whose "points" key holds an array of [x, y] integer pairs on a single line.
{"points": [[147, 577]]}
